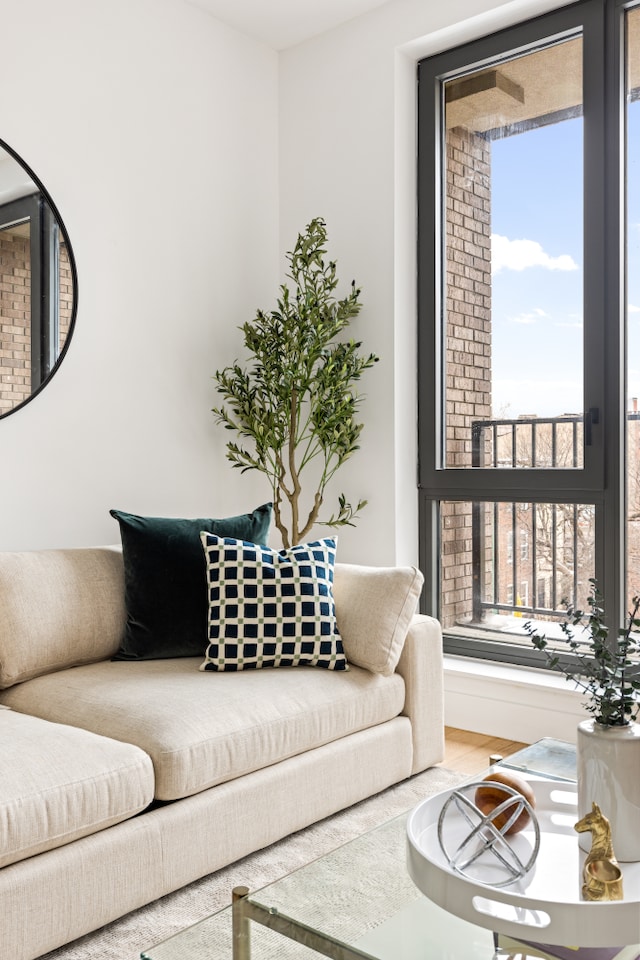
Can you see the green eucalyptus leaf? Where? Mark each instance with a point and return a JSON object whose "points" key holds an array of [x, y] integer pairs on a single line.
{"points": [[604, 668]]}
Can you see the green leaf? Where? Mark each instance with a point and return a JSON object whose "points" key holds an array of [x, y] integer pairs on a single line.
{"points": [[296, 402], [605, 669]]}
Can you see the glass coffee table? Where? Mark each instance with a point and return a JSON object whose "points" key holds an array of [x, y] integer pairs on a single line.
{"points": [[357, 901]]}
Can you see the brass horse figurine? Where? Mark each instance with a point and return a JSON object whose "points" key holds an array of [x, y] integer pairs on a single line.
{"points": [[601, 874]]}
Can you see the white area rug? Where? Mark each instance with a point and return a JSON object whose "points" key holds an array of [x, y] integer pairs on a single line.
{"points": [[124, 939]]}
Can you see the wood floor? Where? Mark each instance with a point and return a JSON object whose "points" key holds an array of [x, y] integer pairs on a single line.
{"points": [[469, 752]]}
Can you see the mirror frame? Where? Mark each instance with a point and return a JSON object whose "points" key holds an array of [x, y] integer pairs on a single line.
{"points": [[54, 212]]}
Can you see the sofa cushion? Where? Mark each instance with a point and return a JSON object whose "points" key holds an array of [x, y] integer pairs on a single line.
{"points": [[165, 586], [58, 608], [271, 608], [374, 607], [58, 783], [201, 729]]}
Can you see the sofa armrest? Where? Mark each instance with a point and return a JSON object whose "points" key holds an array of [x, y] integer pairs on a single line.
{"points": [[421, 667]]}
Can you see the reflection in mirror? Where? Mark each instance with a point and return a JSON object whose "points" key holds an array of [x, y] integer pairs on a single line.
{"points": [[37, 284]]}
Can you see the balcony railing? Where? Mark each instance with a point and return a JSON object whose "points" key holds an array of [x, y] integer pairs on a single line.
{"points": [[537, 546], [528, 442]]}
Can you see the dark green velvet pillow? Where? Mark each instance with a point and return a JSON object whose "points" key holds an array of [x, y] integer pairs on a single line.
{"points": [[165, 580]]}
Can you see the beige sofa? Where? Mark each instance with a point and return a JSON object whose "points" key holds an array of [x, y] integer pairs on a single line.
{"points": [[121, 781]]}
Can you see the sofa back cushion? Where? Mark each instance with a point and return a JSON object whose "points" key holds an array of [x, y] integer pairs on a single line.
{"points": [[374, 607], [59, 608]]}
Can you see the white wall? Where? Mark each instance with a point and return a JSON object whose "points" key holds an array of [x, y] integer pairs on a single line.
{"points": [[347, 152], [154, 128]]}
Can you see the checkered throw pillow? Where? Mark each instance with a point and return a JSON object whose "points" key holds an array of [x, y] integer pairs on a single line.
{"points": [[271, 608]]}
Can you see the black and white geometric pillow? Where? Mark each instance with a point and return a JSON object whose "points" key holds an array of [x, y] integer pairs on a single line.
{"points": [[271, 608]]}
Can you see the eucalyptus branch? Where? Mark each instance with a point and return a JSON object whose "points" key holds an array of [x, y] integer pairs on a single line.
{"points": [[605, 669]]}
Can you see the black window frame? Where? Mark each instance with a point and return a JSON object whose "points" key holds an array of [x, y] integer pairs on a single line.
{"points": [[602, 481], [44, 251]]}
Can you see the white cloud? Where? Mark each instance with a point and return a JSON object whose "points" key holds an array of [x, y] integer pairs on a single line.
{"points": [[532, 317], [633, 309], [521, 254]]}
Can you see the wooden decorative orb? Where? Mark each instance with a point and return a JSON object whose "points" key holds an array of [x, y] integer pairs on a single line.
{"points": [[488, 798]]}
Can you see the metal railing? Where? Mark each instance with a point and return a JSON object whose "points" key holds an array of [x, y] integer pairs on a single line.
{"points": [[528, 442], [525, 443]]}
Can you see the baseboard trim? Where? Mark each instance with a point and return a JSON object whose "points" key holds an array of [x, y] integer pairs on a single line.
{"points": [[507, 701]]}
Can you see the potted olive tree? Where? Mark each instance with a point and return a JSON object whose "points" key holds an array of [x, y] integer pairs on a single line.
{"points": [[295, 407], [607, 670]]}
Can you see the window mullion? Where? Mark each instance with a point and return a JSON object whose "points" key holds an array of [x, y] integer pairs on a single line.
{"points": [[610, 537]]}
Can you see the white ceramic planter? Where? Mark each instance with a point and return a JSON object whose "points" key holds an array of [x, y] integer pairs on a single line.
{"points": [[608, 769]]}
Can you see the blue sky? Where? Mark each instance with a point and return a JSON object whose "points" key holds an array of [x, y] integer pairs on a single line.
{"points": [[537, 221]]}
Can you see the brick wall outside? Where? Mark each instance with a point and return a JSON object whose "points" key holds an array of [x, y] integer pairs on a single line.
{"points": [[15, 319], [65, 294], [467, 347], [15, 315]]}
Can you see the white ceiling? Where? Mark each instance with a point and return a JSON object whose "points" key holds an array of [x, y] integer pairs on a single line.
{"points": [[283, 23]]}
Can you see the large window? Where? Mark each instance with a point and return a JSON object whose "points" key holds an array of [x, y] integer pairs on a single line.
{"points": [[529, 325]]}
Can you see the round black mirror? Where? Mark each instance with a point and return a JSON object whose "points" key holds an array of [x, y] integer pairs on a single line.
{"points": [[38, 284]]}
